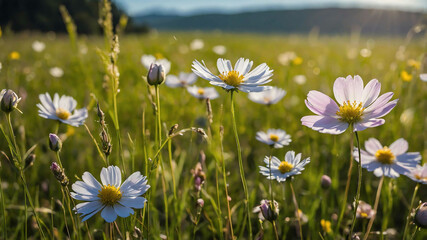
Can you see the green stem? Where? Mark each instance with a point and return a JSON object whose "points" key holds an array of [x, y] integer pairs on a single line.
{"points": [[377, 198], [27, 192], [296, 209], [242, 173], [3, 210], [224, 176], [26, 217], [410, 210], [276, 234], [172, 170], [359, 183], [347, 187]]}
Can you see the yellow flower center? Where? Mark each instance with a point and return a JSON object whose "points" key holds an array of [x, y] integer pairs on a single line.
{"points": [[200, 91], [418, 177], [326, 225], [285, 167], [232, 78], [62, 113], [385, 156], [363, 215], [274, 137], [109, 195], [350, 112]]}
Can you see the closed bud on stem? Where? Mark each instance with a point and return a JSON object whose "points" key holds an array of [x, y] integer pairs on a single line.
{"points": [[421, 215], [173, 129], [137, 232], [200, 202], [59, 174], [55, 142], [156, 74], [29, 160], [268, 210], [101, 115], [107, 147], [9, 100], [325, 182]]}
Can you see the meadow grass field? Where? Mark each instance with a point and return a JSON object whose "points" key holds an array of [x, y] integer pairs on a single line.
{"points": [[174, 210]]}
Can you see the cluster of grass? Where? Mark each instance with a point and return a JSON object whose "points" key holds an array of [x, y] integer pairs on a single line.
{"points": [[324, 59]]}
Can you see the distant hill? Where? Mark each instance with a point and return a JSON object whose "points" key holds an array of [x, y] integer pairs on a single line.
{"points": [[327, 21]]}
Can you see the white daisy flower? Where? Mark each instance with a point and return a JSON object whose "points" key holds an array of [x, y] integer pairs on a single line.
{"points": [[112, 197], [423, 77], [203, 93], [219, 49], [197, 44], [268, 97], [389, 162], [61, 109], [38, 46], [239, 78], [274, 137], [280, 170], [182, 80], [147, 60], [56, 72], [300, 79], [419, 174]]}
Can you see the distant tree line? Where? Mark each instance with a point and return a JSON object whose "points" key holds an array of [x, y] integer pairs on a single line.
{"points": [[44, 15]]}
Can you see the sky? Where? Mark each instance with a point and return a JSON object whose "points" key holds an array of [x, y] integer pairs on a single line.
{"points": [[188, 7]]}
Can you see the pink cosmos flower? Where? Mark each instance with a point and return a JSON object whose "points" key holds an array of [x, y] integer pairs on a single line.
{"points": [[359, 106]]}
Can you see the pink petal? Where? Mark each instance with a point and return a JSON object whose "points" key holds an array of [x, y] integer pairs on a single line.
{"points": [[372, 146], [310, 120], [398, 147], [371, 92], [381, 101], [373, 122], [339, 88], [321, 104], [383, 110], [357, 88], [324, 124]]}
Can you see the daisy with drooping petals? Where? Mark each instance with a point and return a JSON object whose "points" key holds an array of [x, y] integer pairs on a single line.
{"points": [[203, 93], [112, 197], [419, 174], [239, 78], [389, 162], [267, 97], [182, 80], [364, 210], [276, 138], [61, 109], [359, 106], [147, 60], [280, 170]]}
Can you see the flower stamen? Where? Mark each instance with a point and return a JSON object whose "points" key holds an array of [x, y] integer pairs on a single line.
{"points": [[232, 78], [109, 195], [285, 167], [274, 137], [350, 112], [200, 91], [62, 113], [385, 156]]}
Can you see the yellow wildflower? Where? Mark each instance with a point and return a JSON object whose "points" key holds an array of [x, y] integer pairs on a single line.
{"points": [[407, 77]]}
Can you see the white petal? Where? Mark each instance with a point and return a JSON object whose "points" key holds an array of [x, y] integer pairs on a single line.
{"points": [[122, 211], [133, 202], [109, 214]]}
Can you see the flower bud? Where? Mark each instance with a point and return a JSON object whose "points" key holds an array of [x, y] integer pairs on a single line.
{"points": [[325, 182], [137, 232], [29, 160], [9, 100], [268, 211], [59, 174], [156, 74], [421, 215], [55, 142], [200, 202]]}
